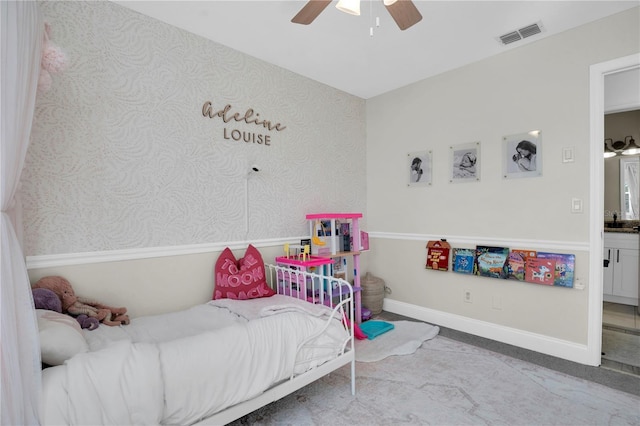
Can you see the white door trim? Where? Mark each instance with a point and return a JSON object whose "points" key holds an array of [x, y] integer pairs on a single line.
{"points": [[596, 205]]}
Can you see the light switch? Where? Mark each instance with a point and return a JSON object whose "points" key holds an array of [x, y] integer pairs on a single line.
{"points": [[576, 205], [568, 154]]}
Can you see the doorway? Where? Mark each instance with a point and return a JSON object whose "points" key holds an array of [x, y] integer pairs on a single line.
{"points": [[598, 73]]}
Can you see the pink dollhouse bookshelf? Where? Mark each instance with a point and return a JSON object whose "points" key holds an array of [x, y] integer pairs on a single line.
{"points": [[332, 245], [329, 251]]}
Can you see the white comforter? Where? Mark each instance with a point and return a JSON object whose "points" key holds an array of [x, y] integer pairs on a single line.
{"points": [[151, 377]]}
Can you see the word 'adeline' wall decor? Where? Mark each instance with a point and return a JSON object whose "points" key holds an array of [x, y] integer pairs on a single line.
{"points": [[249, 117]]}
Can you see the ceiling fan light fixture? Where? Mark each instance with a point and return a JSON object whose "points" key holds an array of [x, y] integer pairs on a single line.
{"points": [[351, 7], [389, 2]]}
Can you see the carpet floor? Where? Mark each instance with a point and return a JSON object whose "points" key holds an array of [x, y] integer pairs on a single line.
{"points": [[461, 379], [448, 382]]}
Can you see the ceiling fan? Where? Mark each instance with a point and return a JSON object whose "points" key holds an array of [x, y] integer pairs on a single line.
{"points": [[404, 12]]}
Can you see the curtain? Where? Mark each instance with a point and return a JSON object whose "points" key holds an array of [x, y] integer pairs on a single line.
{"points": [[21, 34]]}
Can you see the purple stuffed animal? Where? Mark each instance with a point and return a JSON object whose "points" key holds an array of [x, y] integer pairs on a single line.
{"points": [[88, 322], [43, 298], [46, 299]]}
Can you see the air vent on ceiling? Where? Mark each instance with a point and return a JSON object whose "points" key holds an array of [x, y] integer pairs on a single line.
{"points": [[520, 34]]}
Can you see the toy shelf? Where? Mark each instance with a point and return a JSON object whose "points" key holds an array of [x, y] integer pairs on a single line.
{"points": [[330, 246]]}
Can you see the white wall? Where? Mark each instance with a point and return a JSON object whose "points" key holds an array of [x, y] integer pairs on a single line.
{"points": [[541, 86], [122, 158]]}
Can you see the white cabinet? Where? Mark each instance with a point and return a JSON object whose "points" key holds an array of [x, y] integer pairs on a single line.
{"points": [[621, 268]]}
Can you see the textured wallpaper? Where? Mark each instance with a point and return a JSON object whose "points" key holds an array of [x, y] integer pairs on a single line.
{"points": [[122, 157]]}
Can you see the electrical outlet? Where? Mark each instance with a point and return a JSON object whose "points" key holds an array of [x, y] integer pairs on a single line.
{"points": [[467, 296]]}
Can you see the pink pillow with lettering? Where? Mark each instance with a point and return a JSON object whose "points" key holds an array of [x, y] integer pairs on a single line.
{"points": [[241, 279]]}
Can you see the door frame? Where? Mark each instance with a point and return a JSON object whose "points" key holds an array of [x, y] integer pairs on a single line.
{"points": [[596, 202]]}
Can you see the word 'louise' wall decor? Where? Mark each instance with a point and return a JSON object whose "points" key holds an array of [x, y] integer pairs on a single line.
{"points": [[249, 117]]}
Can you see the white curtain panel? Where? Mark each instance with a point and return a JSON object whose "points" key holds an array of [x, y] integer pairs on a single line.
{"points": [[22, 31]]}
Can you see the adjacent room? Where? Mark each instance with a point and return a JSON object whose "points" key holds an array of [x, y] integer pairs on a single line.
{"points": [[154, 150]]}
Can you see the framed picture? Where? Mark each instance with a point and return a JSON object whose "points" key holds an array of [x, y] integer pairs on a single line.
{"points": [[465, 162], [522, 155], [419, 168]]}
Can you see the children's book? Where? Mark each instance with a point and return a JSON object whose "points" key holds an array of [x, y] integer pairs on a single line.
{"points": [[438, 255], [463, 260], [525, 253], [491, 262], [539, 270], [516, 266], [564, 268]]}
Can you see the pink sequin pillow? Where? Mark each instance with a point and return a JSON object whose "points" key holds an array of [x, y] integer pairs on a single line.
{"points": [[241, 279]]}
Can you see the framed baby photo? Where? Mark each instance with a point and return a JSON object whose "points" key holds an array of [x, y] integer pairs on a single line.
{"points": [[464, 163], [522, 155], [419, 168]]}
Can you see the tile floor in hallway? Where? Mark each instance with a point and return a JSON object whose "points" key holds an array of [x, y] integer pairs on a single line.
{"points": [[620, 315], [621, 337]]}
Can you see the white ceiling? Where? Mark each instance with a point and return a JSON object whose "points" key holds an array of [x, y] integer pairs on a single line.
{"points": [[337, 49]]}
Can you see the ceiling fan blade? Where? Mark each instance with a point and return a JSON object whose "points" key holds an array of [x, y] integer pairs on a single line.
{"points": [[405, 13], [310, 11]]}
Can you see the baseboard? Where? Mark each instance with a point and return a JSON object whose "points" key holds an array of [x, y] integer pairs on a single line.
{"points": [[620, 299], [535, 342]]}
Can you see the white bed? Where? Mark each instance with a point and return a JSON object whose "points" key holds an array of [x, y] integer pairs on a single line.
{"points": [[210, 364]]}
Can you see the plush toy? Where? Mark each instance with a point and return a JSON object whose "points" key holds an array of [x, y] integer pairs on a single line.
{"points": [[86, 321], [43, 298], [75, 305]]}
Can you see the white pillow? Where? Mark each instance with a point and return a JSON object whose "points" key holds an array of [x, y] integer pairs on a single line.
{"points": [[60, 337]]}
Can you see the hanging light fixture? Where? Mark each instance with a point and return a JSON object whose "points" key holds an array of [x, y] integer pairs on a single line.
{"points": [[608, 152], [351, 7], [632, 148], [618, 145]]}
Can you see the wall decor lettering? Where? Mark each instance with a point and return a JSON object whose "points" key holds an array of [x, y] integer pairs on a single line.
{"points": [[249, 117]]}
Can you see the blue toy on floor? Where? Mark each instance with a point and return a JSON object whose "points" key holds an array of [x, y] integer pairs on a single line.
{"points": [[375, 328]]}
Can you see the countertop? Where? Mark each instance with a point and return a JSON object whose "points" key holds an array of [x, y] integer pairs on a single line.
{"points": [[624, 226]]}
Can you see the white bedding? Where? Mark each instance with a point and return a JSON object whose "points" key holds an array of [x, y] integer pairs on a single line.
{"points": [[165, 327], [269, 305], [143, 374]]}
